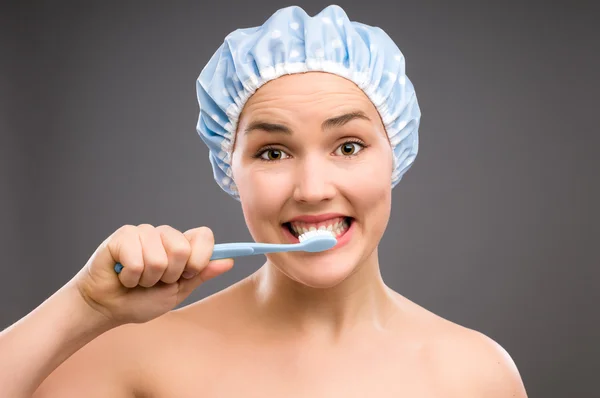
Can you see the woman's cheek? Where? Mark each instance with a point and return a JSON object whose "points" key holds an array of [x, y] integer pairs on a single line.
{"points": [[369, 182], [265, 189], [369, 171]]}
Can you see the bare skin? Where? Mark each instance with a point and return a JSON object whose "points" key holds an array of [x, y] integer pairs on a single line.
{"points": [[216, 348], [318, 325]]}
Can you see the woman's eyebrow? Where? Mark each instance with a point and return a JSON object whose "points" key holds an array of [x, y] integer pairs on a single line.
{"points": [[268, 127], [339, 121]]}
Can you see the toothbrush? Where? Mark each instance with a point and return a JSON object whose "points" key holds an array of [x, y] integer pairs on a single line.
{"points": [[311, 241]]}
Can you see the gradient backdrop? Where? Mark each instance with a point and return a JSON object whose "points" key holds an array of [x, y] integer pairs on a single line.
{"points": [[495, 227]]}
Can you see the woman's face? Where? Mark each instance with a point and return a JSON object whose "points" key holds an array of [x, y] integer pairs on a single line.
{"points": [[311, 151]]}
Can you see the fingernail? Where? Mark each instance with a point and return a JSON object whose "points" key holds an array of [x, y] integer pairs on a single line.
{"points": [[188, 274]]}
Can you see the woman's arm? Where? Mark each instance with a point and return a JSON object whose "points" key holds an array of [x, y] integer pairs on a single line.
{"points": [[32, 348], [161, 267]]}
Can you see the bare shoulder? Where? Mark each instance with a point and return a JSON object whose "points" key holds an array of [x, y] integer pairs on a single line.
{"points": [[125, 361], [481, 366], [467, 361], [106, 366]]}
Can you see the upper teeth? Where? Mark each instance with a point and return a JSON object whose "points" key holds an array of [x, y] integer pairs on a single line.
{"points": [[335, 225]]}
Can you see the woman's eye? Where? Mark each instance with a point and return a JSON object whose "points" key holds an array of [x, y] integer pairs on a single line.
{"points": [[273, 154], [349, 149]]}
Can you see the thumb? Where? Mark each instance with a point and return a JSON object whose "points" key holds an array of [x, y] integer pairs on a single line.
{"points": [[212, 270]]}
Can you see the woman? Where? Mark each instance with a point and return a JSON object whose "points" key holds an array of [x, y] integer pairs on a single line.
{"points": [[310, 122]]}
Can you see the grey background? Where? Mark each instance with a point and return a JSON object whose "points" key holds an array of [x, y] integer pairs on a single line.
{"points": [[495, 227]]}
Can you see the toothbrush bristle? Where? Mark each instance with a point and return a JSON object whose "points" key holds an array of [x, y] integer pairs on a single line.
{"points": [[312, 234]]}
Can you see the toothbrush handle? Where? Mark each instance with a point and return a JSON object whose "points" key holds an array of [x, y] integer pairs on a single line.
{"points": [[231, 250], [263, 248]]}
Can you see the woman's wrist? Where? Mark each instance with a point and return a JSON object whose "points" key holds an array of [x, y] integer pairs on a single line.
{"points": [[85, 318]]}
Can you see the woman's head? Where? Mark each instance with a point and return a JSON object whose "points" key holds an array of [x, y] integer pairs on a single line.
{"points": [[311, 151], [326, 128]]}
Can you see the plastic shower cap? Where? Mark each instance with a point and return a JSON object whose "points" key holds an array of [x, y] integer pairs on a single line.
{"points": [[289, 42]]}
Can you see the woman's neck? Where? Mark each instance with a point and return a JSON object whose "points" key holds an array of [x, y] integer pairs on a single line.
{"points": [[361, 300]]}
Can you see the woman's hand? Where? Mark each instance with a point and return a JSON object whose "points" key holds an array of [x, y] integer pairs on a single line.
{"points": [[161, 267]]}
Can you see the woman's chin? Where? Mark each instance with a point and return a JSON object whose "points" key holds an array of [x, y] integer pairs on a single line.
{"points": [[320, 273], [322, 269]]}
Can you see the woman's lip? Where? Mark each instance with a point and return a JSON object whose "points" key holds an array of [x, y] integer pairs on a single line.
{"points": [[341, 240]]}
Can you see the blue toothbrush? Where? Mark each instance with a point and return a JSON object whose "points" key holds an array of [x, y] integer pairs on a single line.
{"points": [[312, 242]]}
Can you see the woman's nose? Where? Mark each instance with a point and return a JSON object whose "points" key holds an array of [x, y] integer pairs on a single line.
{"points": [[313, 182]]}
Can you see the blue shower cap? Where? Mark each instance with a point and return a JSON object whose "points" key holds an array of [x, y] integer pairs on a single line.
{"points": [[289, 42]]}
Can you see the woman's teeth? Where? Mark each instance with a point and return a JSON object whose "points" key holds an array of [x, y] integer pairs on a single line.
{"points": [[337, 226]]}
